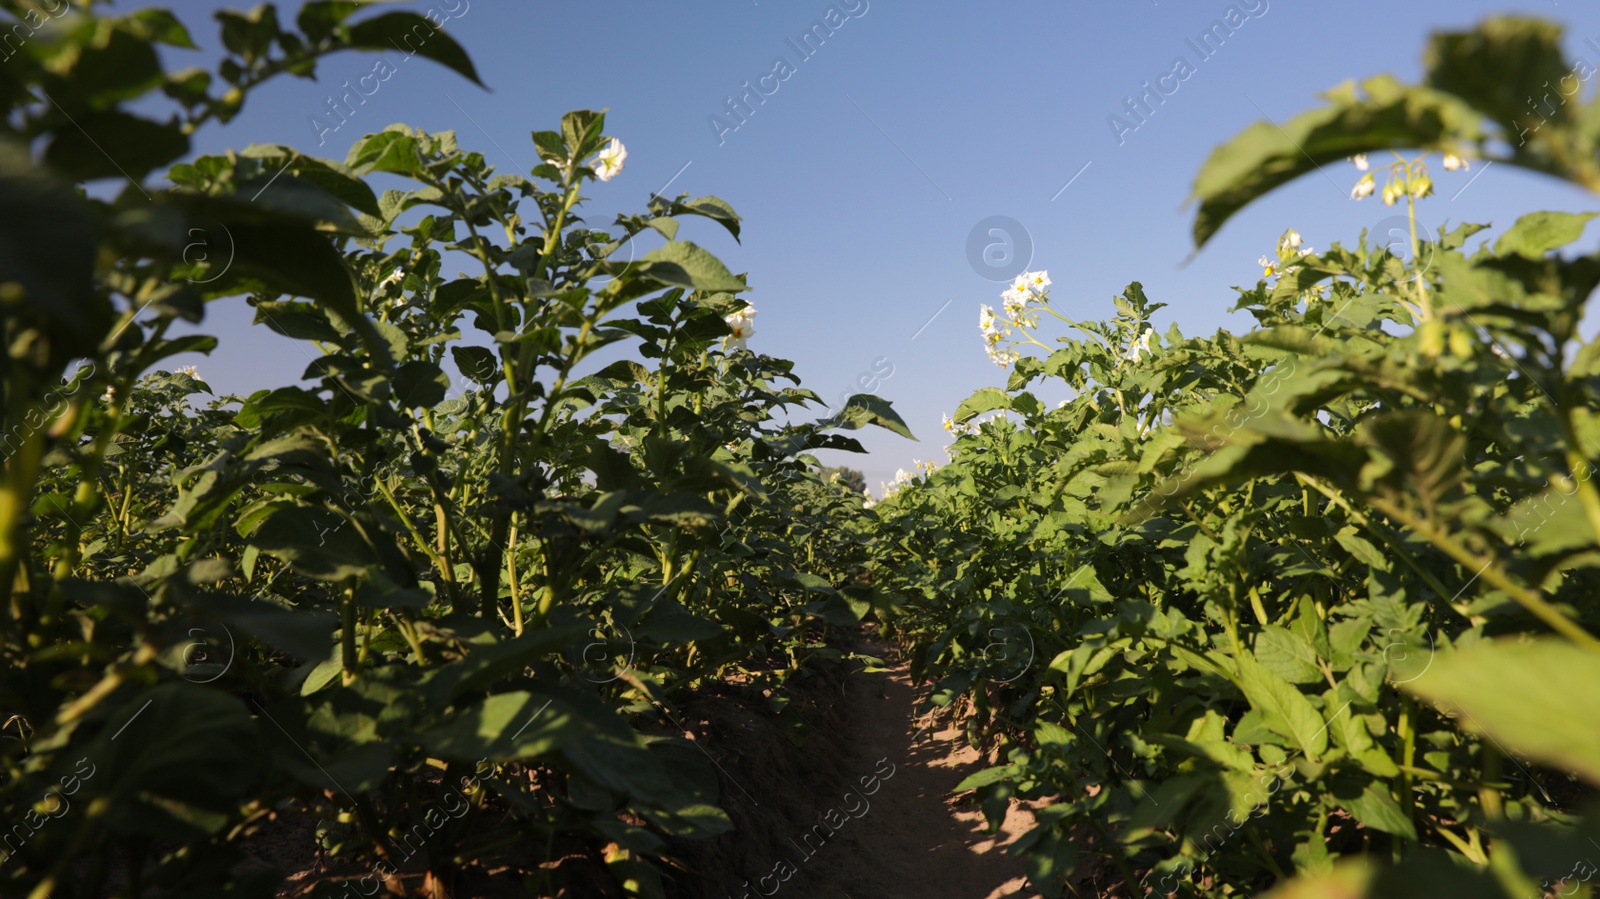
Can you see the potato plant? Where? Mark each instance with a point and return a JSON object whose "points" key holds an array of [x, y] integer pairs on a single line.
{"points": [[440, 595], [1315, 603]]}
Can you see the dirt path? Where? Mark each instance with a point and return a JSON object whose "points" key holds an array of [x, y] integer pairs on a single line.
{"points": [[915, 842]]}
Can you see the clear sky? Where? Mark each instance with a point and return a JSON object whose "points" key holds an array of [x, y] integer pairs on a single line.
{"points": [[862, 177]]}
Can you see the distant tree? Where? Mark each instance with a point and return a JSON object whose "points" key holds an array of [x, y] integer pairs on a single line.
{"points": [[847, 477]]}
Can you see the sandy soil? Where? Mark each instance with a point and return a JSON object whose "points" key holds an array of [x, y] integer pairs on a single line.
{"points": [[916, 841]]}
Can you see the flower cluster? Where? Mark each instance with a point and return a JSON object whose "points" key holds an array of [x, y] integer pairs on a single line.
{"points": [[958, 428], [1021, 304], [1402, 180], [903, 477], [1289, 250], [743, 326], [189, 370], [1140, 345]]}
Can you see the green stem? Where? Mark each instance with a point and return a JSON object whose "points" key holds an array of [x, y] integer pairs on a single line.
{"points": [[347, 634], [1529, 599]]}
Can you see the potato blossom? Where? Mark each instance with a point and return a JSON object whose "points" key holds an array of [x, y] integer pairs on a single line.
{"points": [[743, 326], [1021, 302], [1140, 345], [609, 162]]}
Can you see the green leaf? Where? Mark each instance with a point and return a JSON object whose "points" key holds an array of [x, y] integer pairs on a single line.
{"points": [[47, 247], [505, 727], [332, 177], [386, 151], [1376, 808], [1537, 233], [682, 264], [318, 543], [289, 258], [477, 363], [174, 760], [303, 633], [299, 321], [986, 399], [1265, 155], [159, 26], [250, 34], [117, 62], [1548, 522], [1497, 65], [420, 384], [714, 208], [1538, 698], [865, 409], [985, 777], [1287, 655], [1284, 709], [486, 665], [1419, 451], [1361, 549], [413, 34], [1051, 860], [114, 144]]}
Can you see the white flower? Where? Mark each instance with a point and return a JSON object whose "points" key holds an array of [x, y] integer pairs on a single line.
{"points": [[1269, 267], [1363, 188], [1016, 301], [1289, 241], [1360, 160], [992, 333], [189, 370], [1002, 358], [901, 476], [743, 326], [958, 428], [395, 277], [1061, 405], [109, 395], [1032, 282], [1391, 192], [609, 162], [1140, 345], [1452, 163], [986, 323]]}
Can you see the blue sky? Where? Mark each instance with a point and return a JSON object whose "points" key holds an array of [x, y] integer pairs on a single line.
{"points": [[863, 175]]}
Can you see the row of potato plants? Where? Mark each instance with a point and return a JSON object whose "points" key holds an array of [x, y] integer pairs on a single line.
{"points": [[1314, 605], [442, 593]]}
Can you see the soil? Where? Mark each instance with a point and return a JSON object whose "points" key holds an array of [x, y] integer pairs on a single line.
{"points": [[908, 837], [918, 840]]}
